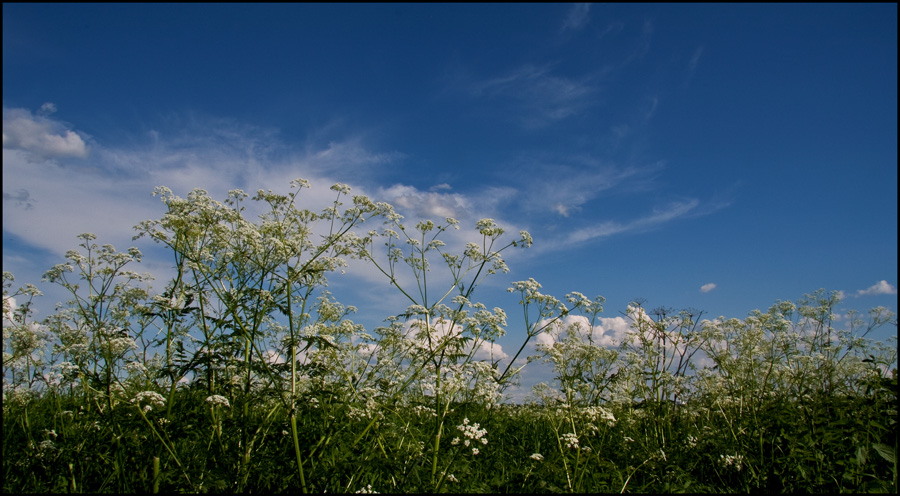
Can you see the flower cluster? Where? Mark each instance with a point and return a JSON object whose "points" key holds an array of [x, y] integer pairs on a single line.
{"points": [[153, 398], [691, 441], [570, 440], [732, 461], [472, 433], [595, 413], [217, 400]]}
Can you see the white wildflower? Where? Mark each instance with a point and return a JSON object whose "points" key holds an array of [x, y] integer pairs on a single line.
{"points": [[153, 398], [732, 461], [472, 432], [216, 400], [570, 440]]}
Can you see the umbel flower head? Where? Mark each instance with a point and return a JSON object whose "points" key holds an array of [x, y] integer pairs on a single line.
{"points": [[472, 433], [217, 400], [153, 399]]}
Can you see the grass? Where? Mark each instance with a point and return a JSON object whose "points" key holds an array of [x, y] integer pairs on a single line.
{"points": [[825, 444]]}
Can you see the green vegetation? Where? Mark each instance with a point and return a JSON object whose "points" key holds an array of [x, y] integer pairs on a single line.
{"points": [[194, 389]]}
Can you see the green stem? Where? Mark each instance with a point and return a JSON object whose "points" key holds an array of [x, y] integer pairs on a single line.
{"points": [[155, 475], [297, 452], [165, 445]]}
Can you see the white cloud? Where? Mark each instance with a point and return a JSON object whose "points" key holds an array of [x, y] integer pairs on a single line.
{"points": [[880, 288], [545, 339], [65, 198], [21, 198], [692, 65], [706, 288], [53, 203], [564, 184], [10, 306], [425, 204], [607, 333], [40, 136], [490, 352], [272, 357], [542, 97], [439, 187], [578, 17], [414, 330], [608, 228], [561, 209], [47, 108]]}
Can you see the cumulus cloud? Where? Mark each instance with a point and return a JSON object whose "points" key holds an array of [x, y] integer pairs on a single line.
{"points": [[880, 288], [9, 307], [706, 288], [414, 330], [425, 204], [608, 332], [39, 135]]}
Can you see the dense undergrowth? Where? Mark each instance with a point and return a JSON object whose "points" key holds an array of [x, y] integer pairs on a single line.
{"points": [[194, 389]]}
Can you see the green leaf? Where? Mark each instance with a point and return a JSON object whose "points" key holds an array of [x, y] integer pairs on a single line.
{"points": [[886, 452]]}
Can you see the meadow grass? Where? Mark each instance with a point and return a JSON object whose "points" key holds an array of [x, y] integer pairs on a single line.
{"points": [[245, 375]]}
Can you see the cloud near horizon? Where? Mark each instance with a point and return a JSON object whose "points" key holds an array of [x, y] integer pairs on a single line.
{"points": [[607, 333], [113, 192]]}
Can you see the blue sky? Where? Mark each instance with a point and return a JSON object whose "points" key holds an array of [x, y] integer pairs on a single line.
{"points": [[719, 157]]}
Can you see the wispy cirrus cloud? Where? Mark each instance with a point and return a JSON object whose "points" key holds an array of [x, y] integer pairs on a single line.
{"points": [[659, 216], [541, 96], [562, 183], [577, 17], [692, 64]]}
